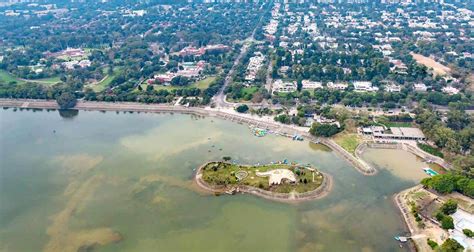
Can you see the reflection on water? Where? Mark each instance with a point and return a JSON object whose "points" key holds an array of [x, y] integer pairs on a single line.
{"points": [[124, 182]]}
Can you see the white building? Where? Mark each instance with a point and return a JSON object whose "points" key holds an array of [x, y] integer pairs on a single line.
{"points": [[337, 86], [364, 86], [393, 88], [450, 90], [307, 84], [420, 87], [284, 87]]}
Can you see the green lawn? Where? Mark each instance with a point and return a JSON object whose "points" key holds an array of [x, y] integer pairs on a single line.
{"points": [[104, 83], [348, 141], [398, 124], [6, 77], [202, 84], [223, 174], [249, 90]]}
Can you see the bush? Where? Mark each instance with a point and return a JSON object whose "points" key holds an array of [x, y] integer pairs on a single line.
{"points": [[469, 233], [447, 222], [242, 108], [432, 244], [430, 150], [451, 245]]}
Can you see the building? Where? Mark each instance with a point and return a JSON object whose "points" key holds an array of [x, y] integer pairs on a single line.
{"points": [[284, 87], [337, 86], [420, 87], [450, 90], [307, 84], [394, 133], [364, 86], [393, 88]]}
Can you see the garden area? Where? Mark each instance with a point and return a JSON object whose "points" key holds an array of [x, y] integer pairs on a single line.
{"points": [[228, 175]]}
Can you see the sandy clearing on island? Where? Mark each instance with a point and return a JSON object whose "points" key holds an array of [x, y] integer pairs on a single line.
{"points": [[438, 68]]}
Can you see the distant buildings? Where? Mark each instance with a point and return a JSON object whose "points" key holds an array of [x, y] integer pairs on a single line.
{"points": [[450, 90], [420, 87], [307, 84], [337, 86], [190, 50], [284, 87], [394, 133], [364, 86], [255, 63], [391, 88]]}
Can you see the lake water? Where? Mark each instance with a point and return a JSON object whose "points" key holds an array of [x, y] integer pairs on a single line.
{"points": [[123, 182]]}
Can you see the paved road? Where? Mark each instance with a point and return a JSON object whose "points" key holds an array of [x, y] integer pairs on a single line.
{"points": [[219, 98]]}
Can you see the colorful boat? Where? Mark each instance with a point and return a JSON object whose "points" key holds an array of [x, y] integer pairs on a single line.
{"points": [[430, 171]]}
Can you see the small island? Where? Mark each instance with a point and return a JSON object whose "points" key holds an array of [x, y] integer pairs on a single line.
{"points": [[280, 181]]}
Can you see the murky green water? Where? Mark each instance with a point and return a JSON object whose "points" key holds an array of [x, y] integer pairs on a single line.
{"points": [[69, 183]]}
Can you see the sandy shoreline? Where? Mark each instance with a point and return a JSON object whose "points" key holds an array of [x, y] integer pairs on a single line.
{"points": [[323, 190]]}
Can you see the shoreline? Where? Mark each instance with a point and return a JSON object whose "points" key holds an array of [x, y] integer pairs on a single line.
{"points": [[279, 129], [322, 191]]}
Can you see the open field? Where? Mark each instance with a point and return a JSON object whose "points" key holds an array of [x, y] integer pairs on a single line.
{"points": [[224, 174], [438, 69], [202, 84], [7, 77], [348, 141]]}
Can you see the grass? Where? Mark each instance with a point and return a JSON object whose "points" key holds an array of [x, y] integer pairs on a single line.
{"points": [[348, 141], [6, 77], [398, 124], [223, 174], [202, 84], [431, 150], [104, 83]]}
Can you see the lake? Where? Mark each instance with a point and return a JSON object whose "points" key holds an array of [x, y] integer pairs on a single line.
{"points": [[123, 182]]}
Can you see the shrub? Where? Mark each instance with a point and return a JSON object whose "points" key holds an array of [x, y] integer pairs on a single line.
{"points": [[469, 233], [242, 108], [430, 150], [451, 245], [432, 243]]}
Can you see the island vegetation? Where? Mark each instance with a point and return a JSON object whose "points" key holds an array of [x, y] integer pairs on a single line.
{"points": [[228, 175]]}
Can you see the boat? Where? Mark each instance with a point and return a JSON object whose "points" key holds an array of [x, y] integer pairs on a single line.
{"points": [[401, 238], [430, 171]]}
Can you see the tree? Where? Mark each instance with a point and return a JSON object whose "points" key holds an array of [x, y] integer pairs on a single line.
{"points": [[451, 245], [449, 207], [325, 130], [242, 108], [66, 100]]}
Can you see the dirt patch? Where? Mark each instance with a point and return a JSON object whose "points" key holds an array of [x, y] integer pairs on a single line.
{"points": [[438, 68]]}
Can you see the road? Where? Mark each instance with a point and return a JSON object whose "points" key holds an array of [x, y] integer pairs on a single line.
{"points": [[219, 98]]}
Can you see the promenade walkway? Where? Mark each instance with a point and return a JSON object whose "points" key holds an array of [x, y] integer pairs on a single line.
{"points": [[277, 128]]}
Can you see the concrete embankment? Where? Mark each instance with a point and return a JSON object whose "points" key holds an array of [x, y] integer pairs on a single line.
{"points": [[277, 128], [406, 147]]}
